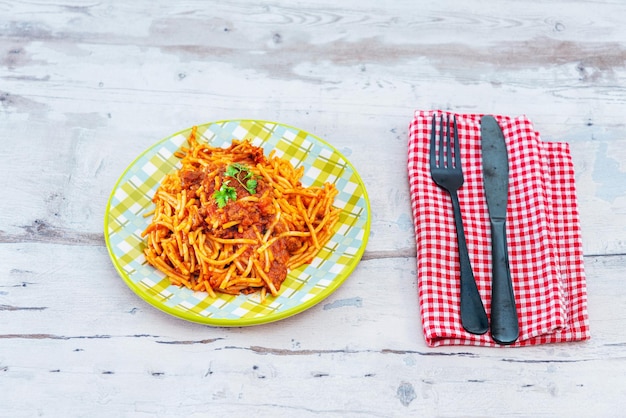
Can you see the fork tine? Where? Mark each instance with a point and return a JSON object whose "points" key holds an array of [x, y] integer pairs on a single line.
{"points": [[457, 148], [433, 158], [448, 141], [442, 162]]}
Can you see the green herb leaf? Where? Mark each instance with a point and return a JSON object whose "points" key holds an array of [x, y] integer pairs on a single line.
{"points": [[241, 173], [225, 193], [251, 186], [232, 170]]}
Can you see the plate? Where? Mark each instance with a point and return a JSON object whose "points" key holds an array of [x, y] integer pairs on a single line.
{"points": [[131, 199]]}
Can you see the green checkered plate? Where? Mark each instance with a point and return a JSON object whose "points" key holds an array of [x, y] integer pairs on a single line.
{"points": [[131, 199]]}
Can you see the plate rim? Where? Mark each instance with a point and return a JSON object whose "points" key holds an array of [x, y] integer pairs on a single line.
{"points": [[238, 322]]}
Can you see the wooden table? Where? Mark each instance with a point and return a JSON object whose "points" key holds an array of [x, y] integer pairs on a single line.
{"points": [[85, 87]]}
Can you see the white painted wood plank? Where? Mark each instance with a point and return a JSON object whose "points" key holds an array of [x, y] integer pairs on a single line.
{"points": [[46, 288]]}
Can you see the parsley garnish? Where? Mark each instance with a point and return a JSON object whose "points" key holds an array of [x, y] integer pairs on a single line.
{"points": [[243, 175], [224, 193]]}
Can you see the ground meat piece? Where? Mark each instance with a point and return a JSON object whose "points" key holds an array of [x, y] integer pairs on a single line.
{"points": [[191, 179], [277, 273], [293, 244]]}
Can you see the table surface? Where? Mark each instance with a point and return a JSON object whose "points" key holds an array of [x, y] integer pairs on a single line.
{"points": [[85, 87]]}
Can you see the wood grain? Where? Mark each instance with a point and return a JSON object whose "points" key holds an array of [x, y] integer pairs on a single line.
{"points": [[85, 87]]}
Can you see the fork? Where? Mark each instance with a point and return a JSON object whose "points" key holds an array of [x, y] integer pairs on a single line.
{"points": [[447, 173]]}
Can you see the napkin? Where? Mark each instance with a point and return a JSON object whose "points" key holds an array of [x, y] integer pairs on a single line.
{"points": [[543, 235]]}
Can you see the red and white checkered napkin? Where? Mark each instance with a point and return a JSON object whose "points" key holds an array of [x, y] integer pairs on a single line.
{"points": [[543, 235]]}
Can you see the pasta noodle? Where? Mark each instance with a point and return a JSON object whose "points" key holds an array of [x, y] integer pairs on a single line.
{"points": [[232, 220]]}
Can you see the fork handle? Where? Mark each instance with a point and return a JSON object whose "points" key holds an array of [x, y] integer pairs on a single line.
{"points": [[504, 321], [473, 314]]}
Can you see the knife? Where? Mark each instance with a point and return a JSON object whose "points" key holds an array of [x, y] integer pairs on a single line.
{"points": [[504, 321]]}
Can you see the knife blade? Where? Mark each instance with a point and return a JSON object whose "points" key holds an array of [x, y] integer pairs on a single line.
{"points": [[495, 162]]}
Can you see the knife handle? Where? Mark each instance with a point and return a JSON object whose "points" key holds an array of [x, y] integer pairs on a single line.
{"points": [[504, 321], [473, 315]]}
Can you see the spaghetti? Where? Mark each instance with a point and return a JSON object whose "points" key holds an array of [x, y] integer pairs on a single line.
{"points": [[232, 220]]}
